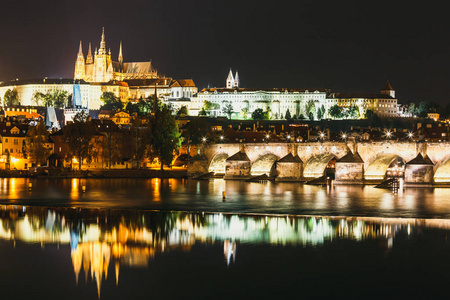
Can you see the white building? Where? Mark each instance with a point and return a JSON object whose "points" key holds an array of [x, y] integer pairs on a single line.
{"points": [[26, 89], [170, 90], [245, 101], [383, 104]]}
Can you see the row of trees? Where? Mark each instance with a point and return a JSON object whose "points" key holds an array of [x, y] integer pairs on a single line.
{"points": [[57, 98], [260, 114], [156, 136], [338, 112]]}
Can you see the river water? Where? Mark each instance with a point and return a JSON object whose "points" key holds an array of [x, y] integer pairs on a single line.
{"points": [[178, 239]]}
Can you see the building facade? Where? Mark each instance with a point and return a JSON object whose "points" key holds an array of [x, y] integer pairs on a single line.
{"points": [[101, 68]]}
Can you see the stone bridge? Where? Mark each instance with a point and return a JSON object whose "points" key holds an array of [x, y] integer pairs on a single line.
{"points": [[352, 161]]}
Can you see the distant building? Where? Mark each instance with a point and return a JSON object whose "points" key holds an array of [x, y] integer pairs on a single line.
{"points": [[101, 68], [245, 100], [75, 106], [383, 104], [433, 115]]}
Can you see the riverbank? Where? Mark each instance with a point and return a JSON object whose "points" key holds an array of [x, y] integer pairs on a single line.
{"points": [[127, 173]]}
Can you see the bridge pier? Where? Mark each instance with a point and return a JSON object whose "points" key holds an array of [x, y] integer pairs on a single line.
{"points": [[289, 168], [349, 169], [197, 165], [238, 167], [419, 170]]}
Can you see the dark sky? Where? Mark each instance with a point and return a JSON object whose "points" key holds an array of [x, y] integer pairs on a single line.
{"points": [[345, 46]]}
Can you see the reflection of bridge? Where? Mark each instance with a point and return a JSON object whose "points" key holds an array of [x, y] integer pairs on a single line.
{"points": [[353, 161]]}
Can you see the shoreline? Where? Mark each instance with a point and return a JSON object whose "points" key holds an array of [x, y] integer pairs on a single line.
{"points": [[94, 174]]}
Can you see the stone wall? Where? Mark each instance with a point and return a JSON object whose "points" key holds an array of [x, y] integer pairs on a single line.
{"points": [[419, 174], [289, 171], [236, 169], [349, 172]]}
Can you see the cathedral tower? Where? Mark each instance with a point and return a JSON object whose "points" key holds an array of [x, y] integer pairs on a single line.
{"points": [[236, 80], [120, 58], [230, 80], [89, 59], [101, 62], [388, 90], [79, 64]]}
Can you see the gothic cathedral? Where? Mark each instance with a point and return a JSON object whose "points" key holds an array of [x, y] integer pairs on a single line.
{"points": [[101, 68]]}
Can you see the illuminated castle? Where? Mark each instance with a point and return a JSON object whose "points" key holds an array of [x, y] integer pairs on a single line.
{"points": [[101, 68]]}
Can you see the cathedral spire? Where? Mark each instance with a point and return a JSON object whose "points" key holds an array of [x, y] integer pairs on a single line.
{"points": [[102, 49], [236, 80], [230, 80], [89, 59], [80, 50], [120, 59], [79, 64]]}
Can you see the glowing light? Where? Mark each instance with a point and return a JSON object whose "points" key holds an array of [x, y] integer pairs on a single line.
{"points": [[221, 137], [203, 139], [267, 136], [14, 160]]}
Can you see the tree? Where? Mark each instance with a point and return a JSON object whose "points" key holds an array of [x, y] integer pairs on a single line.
{"points": [[310, 109], [112, 146], [321, 112], [182, 111], [336, 112], [353, 112], [412, 108], [202, 112], [110, 101], [196, 130], [58, 98], [38, 98], [35, 141], [369, 114], [165, 136], [287, 116], [208, 106], [423, 109], [228, 110], [244, 112], [139, 136], [79, 135], [259, 114], [11, 97]]}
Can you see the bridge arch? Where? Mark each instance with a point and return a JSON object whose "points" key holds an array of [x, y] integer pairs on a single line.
{"points": [[316, 165], [442, 172], [264, 164], [218, 163], [377, 168]]}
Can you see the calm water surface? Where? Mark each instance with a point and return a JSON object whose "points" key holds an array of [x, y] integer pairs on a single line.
{"points": [[206, 196], [57, 242]]}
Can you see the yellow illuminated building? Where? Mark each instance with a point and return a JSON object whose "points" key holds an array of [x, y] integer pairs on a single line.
{"points": [[101, 68]]}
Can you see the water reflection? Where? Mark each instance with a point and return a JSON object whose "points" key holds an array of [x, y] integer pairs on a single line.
{"points": [[100, 240]]}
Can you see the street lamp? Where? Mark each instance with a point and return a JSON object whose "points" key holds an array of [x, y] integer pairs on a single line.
{"points": [[388, 134], [322, 135], [204, 139], [288, 137], [410, 135], [344, 136]]}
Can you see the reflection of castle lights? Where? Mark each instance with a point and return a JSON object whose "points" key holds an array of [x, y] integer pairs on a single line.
{"points": [[133, 238]]}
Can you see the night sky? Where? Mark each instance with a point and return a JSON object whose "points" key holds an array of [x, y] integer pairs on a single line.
{"points": [[345, 46]]}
